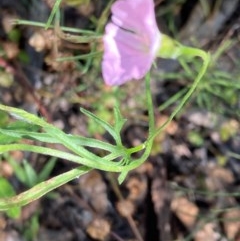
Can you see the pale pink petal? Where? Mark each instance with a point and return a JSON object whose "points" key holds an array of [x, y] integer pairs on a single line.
{"points": [[127, 13], [130, 41]]}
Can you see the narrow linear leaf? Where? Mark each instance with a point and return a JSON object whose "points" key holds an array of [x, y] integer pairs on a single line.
{"points": [[24, 115], [31, 175], [104, 165], [83, 56], [53, 12], [53, 131], [46, 138], [79, 150], [43, 25], [7, 190], [122, 177], [119, 121], [41, 189], [6, 139], [18, 169], [47, 169], [102, 123]]}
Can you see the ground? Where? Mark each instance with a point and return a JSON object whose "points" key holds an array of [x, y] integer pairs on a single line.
{"points": [[188, 189]]}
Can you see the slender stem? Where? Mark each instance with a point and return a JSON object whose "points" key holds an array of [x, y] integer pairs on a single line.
{"points": [[148, 144], [172, 99], [53, 12], [132, 164], [83, 56], [150, 105], [188, 52], [43, 25]]}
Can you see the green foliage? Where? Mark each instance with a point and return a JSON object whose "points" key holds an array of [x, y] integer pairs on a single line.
{"points": [[6, 79], [218, 90], [12, 127], [75, 144], [27, 175], [77, 2], [195, 138], [7, 190], [53, 12], [14, 35], [32, 227], [228, 130], [4, 118]]}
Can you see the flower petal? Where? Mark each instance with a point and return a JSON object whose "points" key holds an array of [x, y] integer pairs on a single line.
{"points": [[134, 15], [130, 41], [122, 61]]}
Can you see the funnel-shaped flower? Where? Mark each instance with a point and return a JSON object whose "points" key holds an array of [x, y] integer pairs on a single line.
{"points": [[131, 41]]}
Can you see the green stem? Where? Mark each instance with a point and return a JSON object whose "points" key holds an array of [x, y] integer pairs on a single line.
{"points": [[150, 104], [182, 51], [172, 49], [132, 164], [53, 12], [148, 144], [172, 99], [83, 56], [43, 25], [41, 189]]}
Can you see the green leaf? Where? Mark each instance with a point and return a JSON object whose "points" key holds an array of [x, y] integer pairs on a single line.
{"points": [[46, 138], [59, 135], [41, 189], [122, 177], [47, 169], [18, 170], [195, 138], [119, 122], [3, 118], [53, 12], [6, 139], [31, 232], [86, 157], [22, 125], [101, 122], [31, 175], [99, 163], [7, 190], [23, 115]]}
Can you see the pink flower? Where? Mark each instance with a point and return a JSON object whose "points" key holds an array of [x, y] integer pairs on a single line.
{"points": [[131, 41]]}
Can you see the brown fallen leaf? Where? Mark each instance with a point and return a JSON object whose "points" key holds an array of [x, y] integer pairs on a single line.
{"points": [[94, 191], [218, 177], [125, 208], [231, 223], [6, 169], [11, 50], [10, 236], [207, 233], [42, 40], [99, 229], [137, 187], [185, 210]]}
